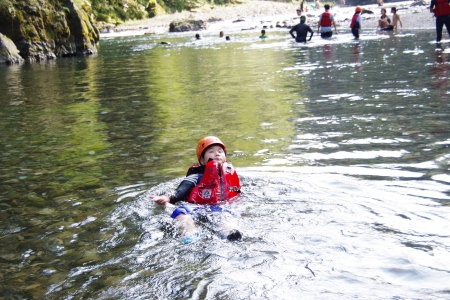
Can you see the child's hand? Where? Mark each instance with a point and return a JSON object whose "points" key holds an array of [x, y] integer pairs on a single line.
{"points": [[161, 200]]}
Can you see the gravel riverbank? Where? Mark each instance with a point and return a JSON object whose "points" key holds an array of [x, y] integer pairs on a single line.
{"points": [[255, 14]]}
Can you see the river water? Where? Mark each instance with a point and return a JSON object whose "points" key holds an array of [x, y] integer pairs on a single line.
{"points": [[342, 148]]}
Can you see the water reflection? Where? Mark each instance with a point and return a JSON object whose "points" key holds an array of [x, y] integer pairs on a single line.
{"points": [[439, 71]]}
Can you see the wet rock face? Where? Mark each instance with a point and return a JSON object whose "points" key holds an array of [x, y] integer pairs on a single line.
{"points": [[44, 30], [8, 51]]}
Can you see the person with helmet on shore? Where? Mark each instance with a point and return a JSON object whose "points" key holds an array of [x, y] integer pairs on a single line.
{"points": [[301, 30], [441, 10], [212, 182], [355, 25], [325, 21]]}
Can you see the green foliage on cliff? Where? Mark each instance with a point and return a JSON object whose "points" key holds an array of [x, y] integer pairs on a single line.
{"points": [[116, 11], [119, 10], [32, 20], [45, 28], [13, 12]]}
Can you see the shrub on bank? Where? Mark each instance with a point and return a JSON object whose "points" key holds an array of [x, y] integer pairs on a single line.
{"points": [[118, 11]]}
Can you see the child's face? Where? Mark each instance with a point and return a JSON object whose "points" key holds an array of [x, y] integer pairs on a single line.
{"points": [[214, 152]]}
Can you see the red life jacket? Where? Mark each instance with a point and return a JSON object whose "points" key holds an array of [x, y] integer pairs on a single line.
{"points": [[352, 24], [219, 183], [442, 8], [326, 20]]}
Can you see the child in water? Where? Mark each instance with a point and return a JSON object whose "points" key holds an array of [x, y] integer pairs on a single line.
{"points": [[355, 25], [207, 185], [263, 35]]}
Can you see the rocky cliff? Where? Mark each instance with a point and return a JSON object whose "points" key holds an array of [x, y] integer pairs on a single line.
{"points": [[45, 29]]}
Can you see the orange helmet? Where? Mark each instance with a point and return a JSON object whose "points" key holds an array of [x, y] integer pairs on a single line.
{"points": [[358, 9], [206, 142]]}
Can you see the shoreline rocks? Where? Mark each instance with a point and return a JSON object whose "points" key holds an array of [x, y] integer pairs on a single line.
{"points": [[187, 25]]}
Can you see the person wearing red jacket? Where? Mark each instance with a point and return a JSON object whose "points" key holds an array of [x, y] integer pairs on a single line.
{"points": [[212, 182], [441, 10], [355, 25], [325, 21]]}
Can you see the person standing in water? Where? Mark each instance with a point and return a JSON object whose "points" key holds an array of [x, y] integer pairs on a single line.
{"points": [[325, 21], [441, 10], [207, 185], [301, 30], [355, 25]]}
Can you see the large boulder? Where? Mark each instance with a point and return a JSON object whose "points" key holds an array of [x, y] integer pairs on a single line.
{"points": [[8, 51], [47, 29], [421, 3], [187, 25]]}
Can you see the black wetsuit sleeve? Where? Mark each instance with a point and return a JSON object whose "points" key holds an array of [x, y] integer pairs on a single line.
{"points": [[292, 30], [185, 187], [182, 192], [433, 3]]}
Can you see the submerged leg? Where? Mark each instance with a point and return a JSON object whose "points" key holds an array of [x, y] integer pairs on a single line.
{"points": [[183, 216], [229, 228], [439, 25], [447, 24], [187, 225]]}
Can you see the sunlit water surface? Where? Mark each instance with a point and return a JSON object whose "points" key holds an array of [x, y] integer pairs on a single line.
{"points": [[342, 148]]}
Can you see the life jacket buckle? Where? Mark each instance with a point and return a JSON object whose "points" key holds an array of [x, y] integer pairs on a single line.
{"points": [[234, 189]]}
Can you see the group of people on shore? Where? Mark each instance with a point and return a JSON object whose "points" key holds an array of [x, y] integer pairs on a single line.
{"points": [[326, 24], [440, 9], [385, 24]]}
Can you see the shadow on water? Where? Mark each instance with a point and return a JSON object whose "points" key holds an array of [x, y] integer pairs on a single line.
{"points": [[342, 147]]}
